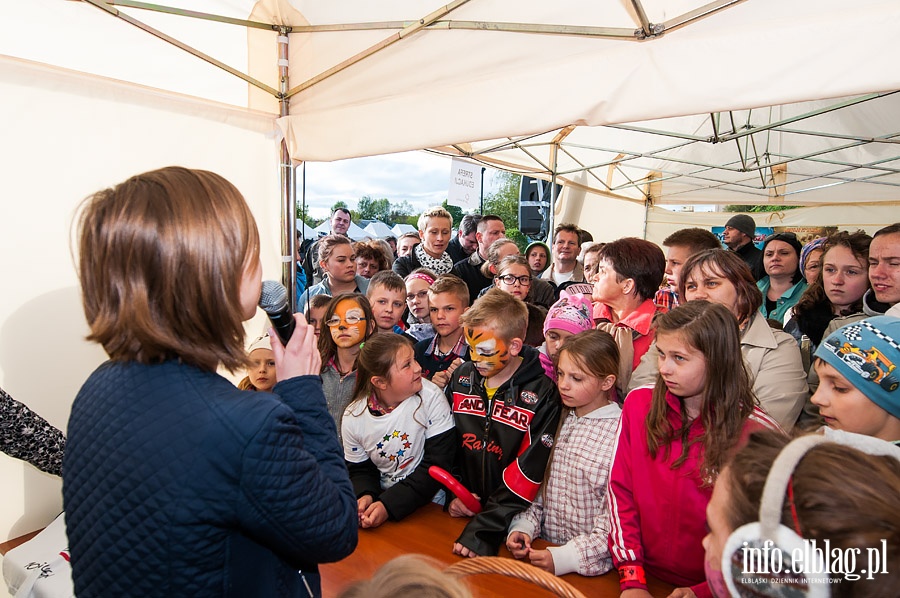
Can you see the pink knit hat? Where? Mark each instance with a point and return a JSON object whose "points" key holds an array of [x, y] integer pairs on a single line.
{"points": [[571, 313]]}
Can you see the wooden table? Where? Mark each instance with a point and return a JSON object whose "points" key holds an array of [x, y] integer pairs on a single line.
{"points": [[431, 532]]}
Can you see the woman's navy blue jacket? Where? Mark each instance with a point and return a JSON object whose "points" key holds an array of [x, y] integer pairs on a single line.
{"points": [[175, 483]]}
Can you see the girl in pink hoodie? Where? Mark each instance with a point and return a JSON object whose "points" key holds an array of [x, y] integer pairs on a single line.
{"points": [[673, 438]]}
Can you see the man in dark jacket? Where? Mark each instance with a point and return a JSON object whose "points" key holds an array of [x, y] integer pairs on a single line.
{"points": [[464, 243], [490, 228], [340, 224], [740, 231]]}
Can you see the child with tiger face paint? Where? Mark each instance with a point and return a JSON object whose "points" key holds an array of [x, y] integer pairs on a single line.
{"points": [[506, 412], [492, 355]]}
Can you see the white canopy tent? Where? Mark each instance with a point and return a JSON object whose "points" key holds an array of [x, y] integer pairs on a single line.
{"points": [[378, 230], [355, 232], [94, 92]]}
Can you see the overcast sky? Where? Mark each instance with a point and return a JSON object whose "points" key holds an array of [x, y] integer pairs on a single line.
{"points": [[420, 178]]}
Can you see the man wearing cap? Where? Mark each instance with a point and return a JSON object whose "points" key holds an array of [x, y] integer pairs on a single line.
{"points": [[739, 232], [464, 243]]}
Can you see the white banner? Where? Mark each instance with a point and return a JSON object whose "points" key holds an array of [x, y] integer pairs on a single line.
{"points": [[465, 185]]}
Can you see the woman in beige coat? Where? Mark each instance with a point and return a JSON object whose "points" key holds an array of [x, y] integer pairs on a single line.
{"points": [[771, 356]]}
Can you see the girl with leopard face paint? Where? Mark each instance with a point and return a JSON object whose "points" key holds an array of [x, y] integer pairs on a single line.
{"points": [[346, 324]]}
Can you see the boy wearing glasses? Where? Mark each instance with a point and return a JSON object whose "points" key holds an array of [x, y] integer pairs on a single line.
{"points": [[506, 412], [439, 356]]}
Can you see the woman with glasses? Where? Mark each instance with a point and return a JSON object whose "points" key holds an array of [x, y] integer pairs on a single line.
{"points": [[783, 283], [516, 278], [346, 324]]}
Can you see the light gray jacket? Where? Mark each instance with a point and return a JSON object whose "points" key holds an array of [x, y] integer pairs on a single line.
{"points": [[773, 361]]}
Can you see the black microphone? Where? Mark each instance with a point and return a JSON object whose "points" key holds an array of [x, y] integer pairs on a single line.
{"points": [[273, 301]]}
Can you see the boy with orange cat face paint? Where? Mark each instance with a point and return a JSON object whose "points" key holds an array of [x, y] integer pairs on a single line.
{"points": [[506, 412]]}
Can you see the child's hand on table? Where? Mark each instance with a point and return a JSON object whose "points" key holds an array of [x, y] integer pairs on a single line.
{"points": [[375, 515], [463, 551], [519, 543], [542, 559]]}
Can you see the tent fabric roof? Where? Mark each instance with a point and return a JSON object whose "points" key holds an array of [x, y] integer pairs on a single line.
{"points": [[537, 69], [675, 101], [402, 229], [827, 151]]}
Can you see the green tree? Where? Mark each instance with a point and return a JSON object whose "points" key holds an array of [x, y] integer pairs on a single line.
{"points": [[373, 209], [303, 216], [455, 211], [758, 208], [402, 213], [519, 237], [339, 204], [505, 201]]}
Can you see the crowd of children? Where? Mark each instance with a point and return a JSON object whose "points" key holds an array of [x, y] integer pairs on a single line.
{"points": [[668, 480], [539, 426], [542, 432]]}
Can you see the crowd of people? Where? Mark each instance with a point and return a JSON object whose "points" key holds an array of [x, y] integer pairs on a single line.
{"points": [[625, 404]]}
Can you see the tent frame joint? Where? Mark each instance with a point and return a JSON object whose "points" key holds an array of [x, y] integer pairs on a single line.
{"points": [[654, 30]]}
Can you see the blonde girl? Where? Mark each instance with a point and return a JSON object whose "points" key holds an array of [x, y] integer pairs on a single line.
{"points": [[571, 511], [261, 371], [397, 426], [673, 439]]}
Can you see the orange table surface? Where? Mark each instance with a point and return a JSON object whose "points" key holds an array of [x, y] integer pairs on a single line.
{"points": [[431, 532]]}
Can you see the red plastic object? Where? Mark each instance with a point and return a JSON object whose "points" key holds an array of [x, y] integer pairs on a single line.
{"points": [[453, 485]]}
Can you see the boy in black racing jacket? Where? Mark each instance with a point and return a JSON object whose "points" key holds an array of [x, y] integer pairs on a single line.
{"points": [[506, 412]]}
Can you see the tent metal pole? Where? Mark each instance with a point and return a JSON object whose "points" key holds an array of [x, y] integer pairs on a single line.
{"points": [[288, 183], [412, 29], [181, 45], [646, 26], [554, 165], [193, 14]]}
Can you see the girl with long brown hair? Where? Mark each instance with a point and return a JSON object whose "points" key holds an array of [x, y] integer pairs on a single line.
{"points": [[837, 290], [673, 439]]}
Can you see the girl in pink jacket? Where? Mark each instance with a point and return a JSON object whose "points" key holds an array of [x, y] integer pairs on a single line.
{"points": [[673, 438]]}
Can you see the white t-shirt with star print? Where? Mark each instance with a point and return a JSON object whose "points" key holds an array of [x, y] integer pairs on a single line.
{"points": [[395, 442]]}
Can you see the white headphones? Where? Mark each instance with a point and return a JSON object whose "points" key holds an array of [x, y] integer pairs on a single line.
{"points": [[766, 558]]}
